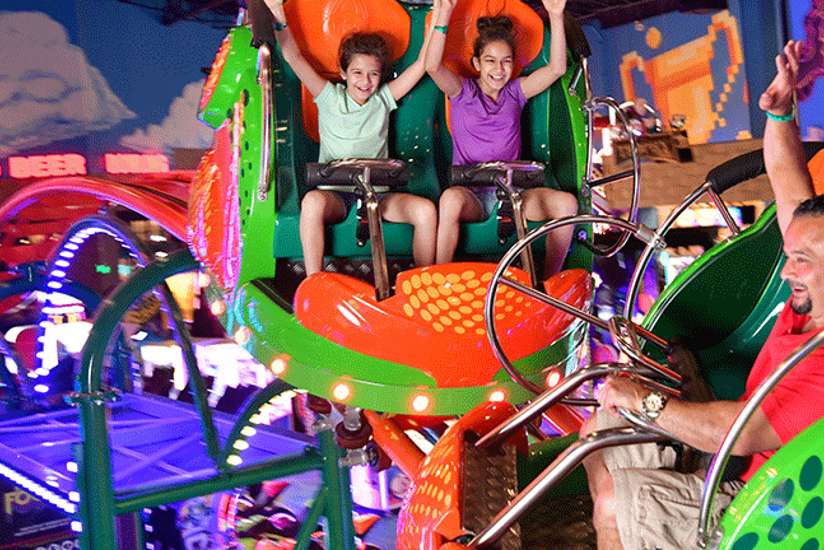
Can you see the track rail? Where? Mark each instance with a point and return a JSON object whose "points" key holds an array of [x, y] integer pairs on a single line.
{"points": [[162, 199]]}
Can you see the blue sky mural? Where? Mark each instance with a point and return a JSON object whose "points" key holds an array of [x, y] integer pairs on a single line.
{"points": [[95, 76], [811, 109]]}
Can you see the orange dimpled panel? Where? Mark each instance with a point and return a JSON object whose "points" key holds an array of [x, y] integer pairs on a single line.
{"points": [[816, 167], [431, 512], [435, 320]]}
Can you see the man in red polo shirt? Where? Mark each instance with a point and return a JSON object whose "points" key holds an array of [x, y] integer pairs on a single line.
{"points": [[640, 503]]}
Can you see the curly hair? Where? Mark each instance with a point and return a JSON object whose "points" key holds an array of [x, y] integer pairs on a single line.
{"points": [[365, 44], [493, 29]]}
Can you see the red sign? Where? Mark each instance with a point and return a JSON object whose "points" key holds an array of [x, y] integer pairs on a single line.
{"points": [[43, 166], [133, 163]]}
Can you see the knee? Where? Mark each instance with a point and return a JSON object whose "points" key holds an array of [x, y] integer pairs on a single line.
{"points": [[313, 205], [604, 511], [567, 204], [424, 214], [450, 206]]}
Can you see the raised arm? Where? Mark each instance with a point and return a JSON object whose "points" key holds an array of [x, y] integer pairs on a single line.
{"points": [[543, 78], [413, 73], [291, 51], [446, 80], [783, 152]]}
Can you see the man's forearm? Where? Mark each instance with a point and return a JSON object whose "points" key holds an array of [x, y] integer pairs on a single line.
{"points": [[699, 425], [786, 168]]}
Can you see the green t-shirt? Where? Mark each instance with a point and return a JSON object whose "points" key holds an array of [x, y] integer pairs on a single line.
{"points": [[349, 130]]}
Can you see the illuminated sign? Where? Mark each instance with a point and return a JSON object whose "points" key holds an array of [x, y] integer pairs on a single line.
{"points": [[74, 164], [133, 163], [43, 166]]}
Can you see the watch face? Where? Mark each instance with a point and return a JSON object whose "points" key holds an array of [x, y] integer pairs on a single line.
{"points": [[653, 402]]}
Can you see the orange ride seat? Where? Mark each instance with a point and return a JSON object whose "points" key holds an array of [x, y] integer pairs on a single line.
{"points": [[319, 26], [435, 321]]}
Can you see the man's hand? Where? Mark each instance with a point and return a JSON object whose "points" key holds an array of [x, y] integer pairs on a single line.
{"points": [[554, 7], [778, 97], [621, 392]]}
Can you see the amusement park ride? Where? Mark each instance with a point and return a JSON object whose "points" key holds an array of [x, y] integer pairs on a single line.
{"points": [[380, 347]]}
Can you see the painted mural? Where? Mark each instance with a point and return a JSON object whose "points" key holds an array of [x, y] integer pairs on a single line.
{"points": [[683, 64], [91, 77]]}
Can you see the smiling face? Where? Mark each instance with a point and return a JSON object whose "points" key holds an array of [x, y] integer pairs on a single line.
{"points": [[804, 270], [362, 76], [495, 65]]}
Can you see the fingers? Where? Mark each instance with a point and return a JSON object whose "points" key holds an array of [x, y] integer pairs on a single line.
{"points": [[791, 55]]}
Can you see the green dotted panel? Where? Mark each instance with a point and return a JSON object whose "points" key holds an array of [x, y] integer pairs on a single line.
{"points": [[782, 507]]}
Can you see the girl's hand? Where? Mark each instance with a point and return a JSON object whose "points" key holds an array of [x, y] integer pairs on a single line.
{"points": [[778, 97], [555, 7]]}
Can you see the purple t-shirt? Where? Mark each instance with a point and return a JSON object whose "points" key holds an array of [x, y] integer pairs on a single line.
{"points": [[484, 130]]}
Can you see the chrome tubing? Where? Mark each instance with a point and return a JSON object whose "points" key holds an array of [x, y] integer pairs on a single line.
{"points": [[264, 73], [568, 460], [590, 106], [640, 231], [663, 229], [719, 461], [625, 338], [548, 398], [373, 218]]}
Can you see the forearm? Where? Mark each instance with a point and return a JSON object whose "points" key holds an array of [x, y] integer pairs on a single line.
{"points": [[557, 54], [434, 48], [786, 168]]}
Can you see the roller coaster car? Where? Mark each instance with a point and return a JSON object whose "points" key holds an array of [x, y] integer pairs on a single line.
{"points": [[418, 343], [454, 503]]}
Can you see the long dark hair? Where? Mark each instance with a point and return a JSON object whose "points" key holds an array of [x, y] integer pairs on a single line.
{"points": [[493, 29]]}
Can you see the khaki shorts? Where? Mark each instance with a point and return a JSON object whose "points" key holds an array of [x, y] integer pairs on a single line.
{"points": [[657, 508]]}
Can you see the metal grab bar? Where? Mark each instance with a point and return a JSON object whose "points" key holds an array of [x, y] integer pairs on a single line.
{"points": [[563, 464], [590, 106], [642, 232], [264, 72], [625, 336], [719, 461], [663, 229]]}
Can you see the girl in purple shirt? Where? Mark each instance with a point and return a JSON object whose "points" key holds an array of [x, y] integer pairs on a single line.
{"points": [[486, 122]]}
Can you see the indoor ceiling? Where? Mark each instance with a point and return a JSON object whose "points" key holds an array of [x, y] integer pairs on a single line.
{"points": [[609, 13]]}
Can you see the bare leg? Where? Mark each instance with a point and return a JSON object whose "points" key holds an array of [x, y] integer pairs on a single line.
{"points": [[542, 204], [421, 213], [457, 205], [317, 210], [602, 490]]}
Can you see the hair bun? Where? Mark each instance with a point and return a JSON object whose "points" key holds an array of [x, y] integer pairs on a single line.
{"points": [[495, 23]]}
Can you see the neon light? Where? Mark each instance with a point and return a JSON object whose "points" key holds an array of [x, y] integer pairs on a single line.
{"points": [[104, 269], [77, 527], [54, 284], [71, 467], [497, 396], [44, 166], [421, 403], [62, 263], [41, 388], [66, 254], [341, 391], [37, 489], [57, 273], [135, 163]]}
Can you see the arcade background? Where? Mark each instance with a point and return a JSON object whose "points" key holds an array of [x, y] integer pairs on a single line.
{"points": [[105, 76]]}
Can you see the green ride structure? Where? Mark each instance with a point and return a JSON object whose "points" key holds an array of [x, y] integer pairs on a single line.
{"points": [[376, 341]]}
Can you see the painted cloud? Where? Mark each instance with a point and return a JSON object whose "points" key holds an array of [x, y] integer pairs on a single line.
{"points": [[48, 89], [180, 128]]}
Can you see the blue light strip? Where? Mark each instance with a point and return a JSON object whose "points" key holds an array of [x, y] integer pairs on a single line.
{"points": [[38, 490]]}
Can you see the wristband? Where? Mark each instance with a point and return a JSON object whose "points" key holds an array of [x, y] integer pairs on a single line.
{"points": [[442, 28], [781, 118], [280, 26]]}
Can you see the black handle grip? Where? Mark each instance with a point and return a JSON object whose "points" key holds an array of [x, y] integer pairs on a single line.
{"points": [[748, 166], [262, 21]]}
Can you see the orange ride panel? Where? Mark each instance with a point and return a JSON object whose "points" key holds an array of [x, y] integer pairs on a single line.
{"points": [[213, 230], [431, 513], [435, 321], [319, 26]]}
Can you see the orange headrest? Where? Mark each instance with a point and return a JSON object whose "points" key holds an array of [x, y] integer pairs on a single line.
{"points": [[319, 26], [816, 167], [529, 33]]}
